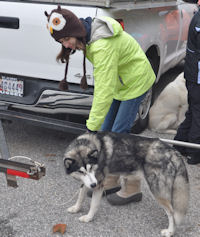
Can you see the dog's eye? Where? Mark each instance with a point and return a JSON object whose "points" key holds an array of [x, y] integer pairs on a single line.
{"points": [[93, 154], [80, 171]]}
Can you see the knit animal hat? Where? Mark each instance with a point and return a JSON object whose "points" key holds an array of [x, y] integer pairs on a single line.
{"points": [[63, 23]]}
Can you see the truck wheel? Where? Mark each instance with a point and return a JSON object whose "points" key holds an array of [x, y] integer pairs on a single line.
{"points": [[142, 118]]}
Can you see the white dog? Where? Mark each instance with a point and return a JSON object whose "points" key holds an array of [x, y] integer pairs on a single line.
{"points": [[168, 111]]}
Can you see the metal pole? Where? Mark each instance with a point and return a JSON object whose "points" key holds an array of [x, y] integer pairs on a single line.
{"points": [[11, 180], [3, 145], [180, 143]]}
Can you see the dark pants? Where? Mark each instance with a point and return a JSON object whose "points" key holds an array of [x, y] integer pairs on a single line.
{"points": [[189, 130]]}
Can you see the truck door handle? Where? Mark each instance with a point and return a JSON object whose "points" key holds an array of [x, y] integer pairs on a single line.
{"points": [[9, 22]]}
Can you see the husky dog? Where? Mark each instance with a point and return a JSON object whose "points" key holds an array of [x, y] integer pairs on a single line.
{"points": [[91, 157], [169, 109]]}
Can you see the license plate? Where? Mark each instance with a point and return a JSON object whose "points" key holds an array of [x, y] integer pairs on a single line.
{"points": [[11, 86]]}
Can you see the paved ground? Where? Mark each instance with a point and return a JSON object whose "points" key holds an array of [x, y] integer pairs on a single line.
{"points": [[35, 206]]}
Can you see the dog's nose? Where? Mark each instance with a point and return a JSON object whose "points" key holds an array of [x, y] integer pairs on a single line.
{"points": [[93, 185]]}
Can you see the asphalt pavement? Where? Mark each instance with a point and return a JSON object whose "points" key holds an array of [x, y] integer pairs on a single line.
{"points": [[36, 206]]}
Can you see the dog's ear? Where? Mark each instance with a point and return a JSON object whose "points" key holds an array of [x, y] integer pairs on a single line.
{"points": [[70, 165], [93, 155]]}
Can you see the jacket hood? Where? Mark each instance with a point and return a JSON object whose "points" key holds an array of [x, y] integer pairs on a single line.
{"points": [[104, 27]]}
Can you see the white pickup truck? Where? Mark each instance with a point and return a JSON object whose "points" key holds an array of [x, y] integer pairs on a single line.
{"points": [[29, 73]]}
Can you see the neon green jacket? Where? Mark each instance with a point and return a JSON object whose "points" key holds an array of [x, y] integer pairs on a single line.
{"points": [[121, 68]]}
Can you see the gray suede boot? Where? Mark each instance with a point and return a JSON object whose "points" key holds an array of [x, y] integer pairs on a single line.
{"points": [[130, 192]]}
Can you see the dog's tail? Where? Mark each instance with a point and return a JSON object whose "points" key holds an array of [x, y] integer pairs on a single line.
{"points": [[180, 197]]}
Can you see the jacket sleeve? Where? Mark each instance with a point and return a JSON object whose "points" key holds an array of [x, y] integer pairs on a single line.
{"points": [[105, 63]]}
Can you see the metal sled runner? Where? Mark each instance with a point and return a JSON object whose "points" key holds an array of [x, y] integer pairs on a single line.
{"points": [[35, 170]]}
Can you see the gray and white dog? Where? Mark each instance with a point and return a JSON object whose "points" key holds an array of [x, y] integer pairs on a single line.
{"points": [[92, 157]]}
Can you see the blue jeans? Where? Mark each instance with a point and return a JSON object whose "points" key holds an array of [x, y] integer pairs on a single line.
{"points": [[122, 114]]}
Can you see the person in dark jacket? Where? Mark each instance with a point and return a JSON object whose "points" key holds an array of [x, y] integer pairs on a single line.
{"points": [[189, 130]]}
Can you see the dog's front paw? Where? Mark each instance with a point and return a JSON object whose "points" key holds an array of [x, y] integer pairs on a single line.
{"points": [[85, 218], [166, 233], [73, 209]]}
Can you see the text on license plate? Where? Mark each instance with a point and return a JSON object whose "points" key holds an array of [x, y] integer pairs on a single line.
{"points": [[11, 86]]}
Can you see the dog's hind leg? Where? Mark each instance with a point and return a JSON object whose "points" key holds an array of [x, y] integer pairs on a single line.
{"points": [[180, 198], [95, 202], [170, 213], [76, 208], [173, 196], [161, 186]]}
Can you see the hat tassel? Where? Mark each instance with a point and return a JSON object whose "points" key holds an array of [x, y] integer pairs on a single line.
{"points": [[83, 83], [63, 85]]}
